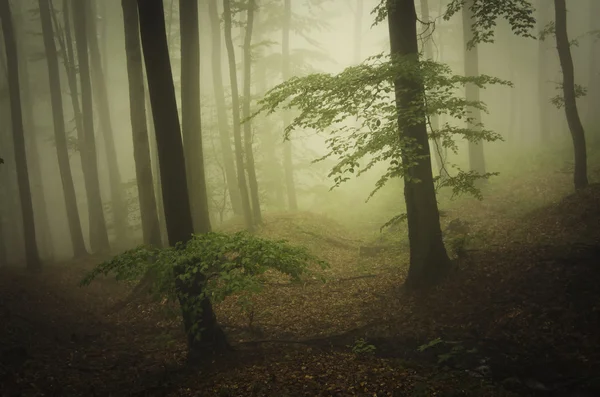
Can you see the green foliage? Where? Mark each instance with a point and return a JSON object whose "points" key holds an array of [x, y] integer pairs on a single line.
{"points": [[559, 100], [362, 348], [223, 265]]}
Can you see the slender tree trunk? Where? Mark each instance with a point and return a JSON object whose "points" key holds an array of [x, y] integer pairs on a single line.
{"points": [[225, 139], [119, 207], [12, 63], [288, 165], [476, 157], [98, 233], [235, 104], [190, 114], [64, 166], [208, 337], [139, 128], [428, 258], [566, 63], [252, 182]]}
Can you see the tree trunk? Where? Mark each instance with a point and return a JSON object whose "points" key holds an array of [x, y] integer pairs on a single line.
{"points": [[120, 212], [139, 128], [62, 153], [252, 182], [288, 165], [190, 114], [98, 233], [172, 166], [566, 63], [476, 157], [12, 64], [235, 104], [428, 258], [225, 139]]}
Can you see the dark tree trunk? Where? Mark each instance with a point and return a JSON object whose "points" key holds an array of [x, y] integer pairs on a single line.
{"points": [[288, 164], [12, 64], [172, 166], [117, 197], [62, 153], [428, 258], [225, 139], [235, 104], [98, 233], [139, 128], [566, 63], [190, 114], [476, 157], [252, 182]]}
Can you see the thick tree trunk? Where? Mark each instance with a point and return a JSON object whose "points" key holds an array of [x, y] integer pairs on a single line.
{"points": [[139, 128], [566, 63], [288, 165], [190, 114], [120, 212], [224, 137], [172, 166], [235, 104], [62, 153], [428, 258], [12, 64], [98, 233], [252, 182]]}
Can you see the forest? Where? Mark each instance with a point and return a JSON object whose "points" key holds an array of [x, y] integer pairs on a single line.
{"points": [[299, 198]]}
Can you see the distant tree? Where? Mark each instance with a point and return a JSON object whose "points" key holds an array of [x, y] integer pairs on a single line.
{"points": [[64, 166], [139, 127], [98, 233], [204, 334], [235, 108], [12, 63], [566, 63], [250, 168], [224, 137]]}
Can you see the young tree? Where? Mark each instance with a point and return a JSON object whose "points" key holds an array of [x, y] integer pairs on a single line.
{"points": [[139, 128], [235, 104], [210, 337], [98, 233], [256, 214], [566, 63], [224, 137], [62, 153], [190, 113], [12, 63]]}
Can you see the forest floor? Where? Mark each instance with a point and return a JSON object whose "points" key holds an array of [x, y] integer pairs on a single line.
{"points": [[520, 316]]}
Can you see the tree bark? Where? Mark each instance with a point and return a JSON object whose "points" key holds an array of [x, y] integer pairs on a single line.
{"points": [[62, 153], [98, 233], [12, 64], [252, 182], [190, 114], [428, 258], [575, 127], [139, 128], [235, 104], [224, 137], [172, 165]]}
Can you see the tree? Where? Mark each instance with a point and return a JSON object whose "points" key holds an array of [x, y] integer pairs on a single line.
{"points": [[139, 127], [98, 233], [204, 334], [476, 156], [224, 137], [12, 63], [288, 165], [428, 257], [575, 126], [235, 105], [253, 183], [62, 153]]}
